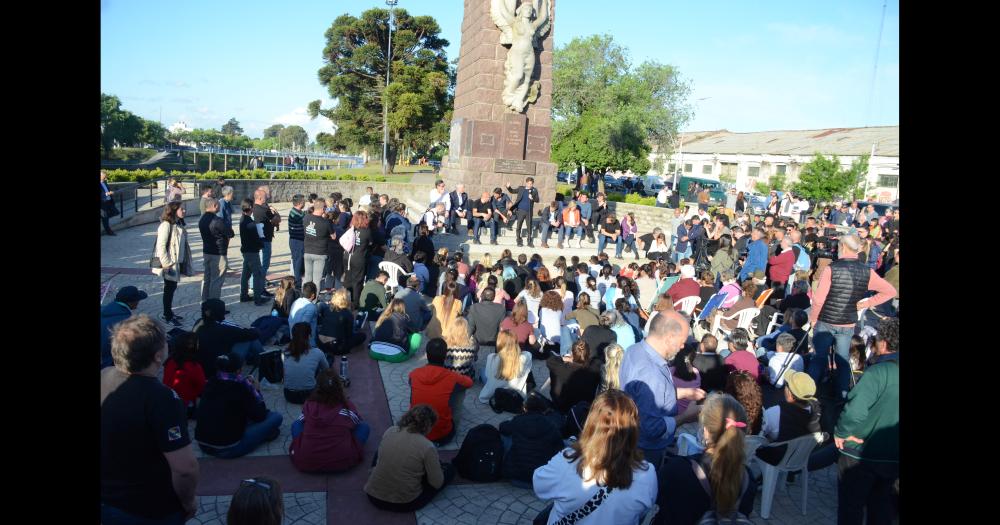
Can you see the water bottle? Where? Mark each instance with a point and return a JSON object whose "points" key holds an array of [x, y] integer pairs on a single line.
{"points": [[343, 371]]}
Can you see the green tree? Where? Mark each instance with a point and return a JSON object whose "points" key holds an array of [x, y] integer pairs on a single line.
{"points": [[273, 130], [232, 128], [419, 97], [607, 113], [823, 179], [118, 126], [856, 176], [152, 132], [267, 143], [293, 136], [762, 187]]}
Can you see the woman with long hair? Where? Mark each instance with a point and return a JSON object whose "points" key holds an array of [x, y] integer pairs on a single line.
{"points": [[602, 477], [423, 244], [500, 296], [544, 279], [336, 325], [174, 254], [574, 377], [302, 363], [259, 501], [629, 231], [462, 353], [330, 435], [610, 380], [183, 373], [732, 488], [284, 296], [684, 373], [585, 315], [508, 367], [560, 286], [745, 389], [660, 248], [517, 323], [550, 316], [532, 297], [356, 262], [741, 203], [446, 307], [559, 267], [724, 257], [393, 326], [605, 280]]}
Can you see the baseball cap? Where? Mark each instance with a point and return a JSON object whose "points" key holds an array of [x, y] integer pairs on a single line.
{"points": [[214, 309], [801, 384], [130, 294]]}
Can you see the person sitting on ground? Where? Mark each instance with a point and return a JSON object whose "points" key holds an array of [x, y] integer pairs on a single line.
{"points": [[217, 337], [742, 386], [257, 501], [330, 435], [797, 414], [710, 365], [284, 296], [684, 373], [517, 323], [685, 287], [682, 497], [462, 354], [442, 389], [782, 359], [232, 417], [305, 310], [573, 378], [499, 294], [393, 327], [408, 472], [530, 440], [585, 315], [550, 316], [532, 297], [446, 307], [613, 355], [604, 461], [508, 367], [421, 272], [337, 334], [741, 354], [183, 373], [373, 296], [602, 334], [484, 319], [126, 301], [302, 362], [591, 289], [419, 314]]}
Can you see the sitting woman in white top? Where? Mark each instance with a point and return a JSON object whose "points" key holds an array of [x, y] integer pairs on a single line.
{"points": [[509, 367], [601, 478], [532, 295], [550, 316], [302, 362]]}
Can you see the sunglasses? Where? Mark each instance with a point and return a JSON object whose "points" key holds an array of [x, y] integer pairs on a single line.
{"points": [[253, 482]]}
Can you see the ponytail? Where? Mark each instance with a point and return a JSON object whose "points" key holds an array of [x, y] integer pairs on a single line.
{"points": [[726, 477]]}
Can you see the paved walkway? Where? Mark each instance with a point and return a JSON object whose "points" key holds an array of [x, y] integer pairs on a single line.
{"points": [[381, 392]]}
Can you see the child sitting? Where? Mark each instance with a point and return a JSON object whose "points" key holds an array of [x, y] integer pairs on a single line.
{"points": [[183, 373]]}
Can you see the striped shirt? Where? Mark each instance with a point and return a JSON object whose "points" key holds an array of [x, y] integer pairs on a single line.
{"points": [[295, 224]]}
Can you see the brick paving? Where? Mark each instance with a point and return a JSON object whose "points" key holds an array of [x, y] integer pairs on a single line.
{"points": [[382, 393]]}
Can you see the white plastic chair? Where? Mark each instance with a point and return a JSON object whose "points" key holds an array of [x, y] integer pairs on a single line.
{"points": [[687, 304], [743, 319], [796, 459], [647, 518], [394, 270], [776, 320]]}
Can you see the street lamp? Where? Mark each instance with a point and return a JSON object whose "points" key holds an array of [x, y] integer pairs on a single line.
{"points": [[385, 104]]}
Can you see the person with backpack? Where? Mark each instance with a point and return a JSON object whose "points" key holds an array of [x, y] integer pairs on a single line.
{"points": [[715, 485], [443, 389], [529, 441], [183, 373], [408, 472], [602, 477], [330, 435]]}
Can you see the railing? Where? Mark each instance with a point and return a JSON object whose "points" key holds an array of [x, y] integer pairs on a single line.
{"points": [[130, 196], [353, 160]]}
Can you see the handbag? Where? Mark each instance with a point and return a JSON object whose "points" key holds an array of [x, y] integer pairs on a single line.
{"points": [[507, 400], [154, 261]]}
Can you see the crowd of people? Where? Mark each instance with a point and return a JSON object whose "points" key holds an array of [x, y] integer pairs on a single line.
{"points": [[634, 352]]}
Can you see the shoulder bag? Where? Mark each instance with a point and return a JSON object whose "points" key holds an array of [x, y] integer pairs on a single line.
{"points": [[154, 261]]}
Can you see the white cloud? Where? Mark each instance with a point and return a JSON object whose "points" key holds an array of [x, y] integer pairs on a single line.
{"points": [[300, 117], [812, 33]]}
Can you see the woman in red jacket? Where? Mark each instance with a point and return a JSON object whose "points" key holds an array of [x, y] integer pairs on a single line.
{"points": [[780, 266], [183, 373], [329, 436]]}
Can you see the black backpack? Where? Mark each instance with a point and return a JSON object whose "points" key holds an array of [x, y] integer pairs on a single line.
{"points": [[507, 400], [271, 367], [481, 456]]}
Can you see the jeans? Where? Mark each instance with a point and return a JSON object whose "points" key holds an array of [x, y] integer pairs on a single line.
{"points": [[251, 268], [313, 268], [622, 242], [548, 228], [602, 241], [818, 367], [249, 350], [678, 255], [825, 335], [169, 287], [455, 221], [523, 216], [265, 264], [255, 435], [567, 337], [490, 224], [571, 229], [215, 275], [861, 486], [361, 432], [115, 516], [297, 248]]}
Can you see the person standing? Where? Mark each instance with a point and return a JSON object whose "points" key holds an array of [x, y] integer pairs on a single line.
{"points": [[206, 193], [458, 208], [356, 261], [317, 231], [662, 196], [215, 235], [439, 196], [226, 205], [268, 217], [174, 254], [217, 188], [148, 469], [250, 247], [107, 204], [523, 208], [366, 199], [756, 255], [296, 236], [629, 229]]}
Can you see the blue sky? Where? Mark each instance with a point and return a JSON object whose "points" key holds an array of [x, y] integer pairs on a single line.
{"points": [[764, 65]]}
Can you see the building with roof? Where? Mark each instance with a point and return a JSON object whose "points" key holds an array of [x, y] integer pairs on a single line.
{"points": [[748, 158]]}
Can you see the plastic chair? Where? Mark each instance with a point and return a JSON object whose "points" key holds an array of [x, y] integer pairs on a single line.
{"points": [[796, 459], [750, 445], [743, 319], [647, 518], [776, 320], [394, 270], [687, 304], [764, 296]]}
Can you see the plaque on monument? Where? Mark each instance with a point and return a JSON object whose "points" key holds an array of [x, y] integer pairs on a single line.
{"points": [[515, 129], [521, 167], [486, 138], [537, 144]]}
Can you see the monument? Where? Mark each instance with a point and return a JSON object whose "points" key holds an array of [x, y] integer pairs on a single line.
{"points": [[501, 128]]}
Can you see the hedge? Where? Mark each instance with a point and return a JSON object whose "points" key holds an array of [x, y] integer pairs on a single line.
{"points": [[121, 175], [632, 198]]}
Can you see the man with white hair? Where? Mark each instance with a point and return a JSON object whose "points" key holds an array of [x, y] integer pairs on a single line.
{"points": [[685, 287], [458, 209], [842, 292]]}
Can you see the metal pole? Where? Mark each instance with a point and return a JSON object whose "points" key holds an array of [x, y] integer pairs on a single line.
{"points": [[385, 103]]}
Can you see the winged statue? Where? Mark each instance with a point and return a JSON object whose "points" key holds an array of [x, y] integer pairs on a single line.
{"points": [[522, 27]]}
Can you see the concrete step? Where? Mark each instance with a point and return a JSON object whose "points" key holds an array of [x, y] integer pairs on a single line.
{"points": [[474, 252]]}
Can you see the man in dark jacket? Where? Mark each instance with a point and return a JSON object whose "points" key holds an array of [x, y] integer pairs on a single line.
{"points": [[530, 440], [216, 337], [250, 246], [523, 207], [459, 208], [215, 235], [107, 204], [484, 319], [126, 301]]}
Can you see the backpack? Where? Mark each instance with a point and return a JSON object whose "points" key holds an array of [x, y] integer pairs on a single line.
{"points": [[481, 456], [348, 239], [712, 517], [271, 367], [507, 400]]}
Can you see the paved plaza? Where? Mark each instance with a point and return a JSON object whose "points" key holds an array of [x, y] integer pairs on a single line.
{"points": [[381, 392]]}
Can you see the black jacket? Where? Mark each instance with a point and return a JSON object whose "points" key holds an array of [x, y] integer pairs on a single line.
{"points": [[572, 383], [454, 201], [338, 324], [681, 497], [215, 234], [484, 321], [224, 410], [524, 193], [535, 438], [394, 330], [597, 338], [250, 242], [215, 339]]}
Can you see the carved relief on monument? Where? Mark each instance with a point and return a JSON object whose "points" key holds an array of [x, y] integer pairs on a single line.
{"points": [[523, 29]]}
